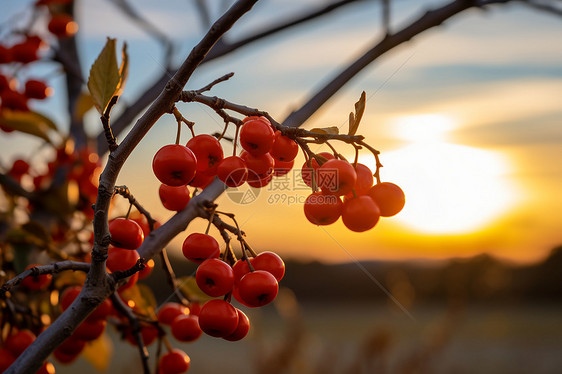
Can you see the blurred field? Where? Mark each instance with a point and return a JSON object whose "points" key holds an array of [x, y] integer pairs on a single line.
{"points": [[336, 337]]}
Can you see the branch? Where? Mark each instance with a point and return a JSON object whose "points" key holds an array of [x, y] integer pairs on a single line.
{"points": [[152, 92], [99, 285], [428, 20], [55, 268]]}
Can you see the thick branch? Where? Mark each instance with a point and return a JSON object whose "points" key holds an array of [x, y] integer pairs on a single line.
{"points": [[428, 20], [98, 284]]}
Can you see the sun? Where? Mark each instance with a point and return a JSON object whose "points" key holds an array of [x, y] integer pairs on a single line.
{"points": [[450, 188]]}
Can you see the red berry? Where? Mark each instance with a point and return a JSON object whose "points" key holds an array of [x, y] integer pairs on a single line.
{"points": [[126, 233], [6, 359], [270, 262], [322, 209], [360, 213], [169, 311], [218, 318], [174, 198], [174, 362], [241, 329], [90, 330], [208, 152], [37, 283], [198, 247], [284, 148], [101, 312], [336, 177], [201, 180], [240, 268], [256, 136], [306, 171], [258, 288], [62, 25], [26, 51], [14, 100], [174, 165], [261, 165], [186, 328], [149, 333], [18, 342], [389, 198], [19, 168], [364, 179], [63, 358], [119, 259], [35, 89], [68, 296], [5, 55], [149, 266], [281, 167], [72, 346], [232, 171], [214, 277], [4, 82]]}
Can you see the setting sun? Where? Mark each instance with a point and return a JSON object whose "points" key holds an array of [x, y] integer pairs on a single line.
{"points": [[451, 188]]}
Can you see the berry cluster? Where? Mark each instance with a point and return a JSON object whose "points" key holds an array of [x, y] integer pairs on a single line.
{"points": [[13, 95], [14, 345]]}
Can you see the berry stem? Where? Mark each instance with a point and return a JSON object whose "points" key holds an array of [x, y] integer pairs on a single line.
{"points": [[235, 139], [129, 211]]}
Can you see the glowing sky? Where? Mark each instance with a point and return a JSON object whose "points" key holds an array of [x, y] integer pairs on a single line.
{"points": [[468, 119]]}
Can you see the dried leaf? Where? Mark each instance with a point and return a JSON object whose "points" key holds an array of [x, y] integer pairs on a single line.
{"points": [[104, 79], [355, 119], [332, 130], [83, 105], [32, 123]]}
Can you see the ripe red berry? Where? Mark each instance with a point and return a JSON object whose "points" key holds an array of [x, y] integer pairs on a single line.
{"points": [[232, 171], [4, 82], [307, 171], [14, 100], [36, 283], [218, 318], [198, 247], [281, 167], [258, 181], [149, 333], [35, 89], [174, 198], [68, 296], [360, 213], [19, 168], [149, 266], [62, 25], [174, 362], [201, 180], [241, 329], [186, 328], [389, 198], [126, 233], [270, 262], [258, 288], [72, 346], [119, 259], [18, 342], [261, 165], [101, 312], [364, 179], [6, 359], [336, 177], [208, 151], [174, 165], [64, 358], [256, 135], [169, 311], [5, 55], [284, 148], [322, 209], [90, 330], [214, 277], [240, 268], [26, 51]]}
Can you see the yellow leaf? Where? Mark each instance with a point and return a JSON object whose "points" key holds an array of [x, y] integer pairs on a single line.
{"points": [[98, 353], [332, 130], [354, 120], [141, 298], [84, 104], [189, 288], [31, 123], [104, 76]]}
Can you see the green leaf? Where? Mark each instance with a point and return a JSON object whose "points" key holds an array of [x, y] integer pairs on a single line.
{"points": [[355, 119], [106, 80], [332, 130], [32, 123]]}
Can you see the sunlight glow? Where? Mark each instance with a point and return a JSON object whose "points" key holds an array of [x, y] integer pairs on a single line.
{"points": [[450, 188]]}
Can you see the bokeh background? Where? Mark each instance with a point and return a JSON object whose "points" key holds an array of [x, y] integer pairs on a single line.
{"points": [[468, 119]]}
